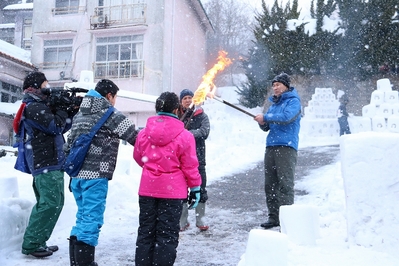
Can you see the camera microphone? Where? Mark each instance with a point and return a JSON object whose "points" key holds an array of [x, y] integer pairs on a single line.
{"points": [[49, 91], [76, 90]]}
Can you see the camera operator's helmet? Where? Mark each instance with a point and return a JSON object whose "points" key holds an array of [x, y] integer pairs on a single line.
{"points": [[34, 80]]}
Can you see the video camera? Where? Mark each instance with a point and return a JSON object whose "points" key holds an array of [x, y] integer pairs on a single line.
{"points": [[64, 99]]}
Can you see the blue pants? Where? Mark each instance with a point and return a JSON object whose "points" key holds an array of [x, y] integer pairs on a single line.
{"points": [[90, 196], [343, 125]]}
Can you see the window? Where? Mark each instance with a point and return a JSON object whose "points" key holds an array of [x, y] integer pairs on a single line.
{"points": [[57, 53], [119, 57], [27, 34], [7, 35], [63, 7], [10, 93]]}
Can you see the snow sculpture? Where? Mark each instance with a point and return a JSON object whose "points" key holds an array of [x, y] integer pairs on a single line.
{"points": [[323, 105], [393, 124], [320, 116], [384, 85], [383, 107]]}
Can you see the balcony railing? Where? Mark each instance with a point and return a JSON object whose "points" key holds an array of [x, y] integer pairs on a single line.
{"points": [[118, 15], [68, 10], [119, 69], [56, 65]]}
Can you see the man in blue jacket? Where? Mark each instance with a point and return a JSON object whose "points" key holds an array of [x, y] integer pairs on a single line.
{"points": [[282, 120], [40, 128]]}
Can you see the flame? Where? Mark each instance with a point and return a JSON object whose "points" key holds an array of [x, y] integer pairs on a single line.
{"points": [[206, 88]]}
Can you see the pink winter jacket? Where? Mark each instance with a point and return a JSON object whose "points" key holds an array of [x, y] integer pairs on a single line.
{"points": [[166, 152]]}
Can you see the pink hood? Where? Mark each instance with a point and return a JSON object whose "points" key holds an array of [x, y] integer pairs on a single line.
{"points": [[166, 152]]}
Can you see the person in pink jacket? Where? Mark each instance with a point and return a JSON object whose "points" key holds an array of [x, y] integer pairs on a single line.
{"points": [[166, 152]]}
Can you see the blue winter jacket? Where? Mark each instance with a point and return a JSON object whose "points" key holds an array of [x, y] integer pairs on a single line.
{"points": [[283, 118], [41, 148]]}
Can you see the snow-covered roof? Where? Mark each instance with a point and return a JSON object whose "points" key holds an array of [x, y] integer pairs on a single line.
{"points": [[10, 108], [15, 52], [7, 25], [19, 6]]}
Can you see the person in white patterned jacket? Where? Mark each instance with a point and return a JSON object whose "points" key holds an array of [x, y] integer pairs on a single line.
{"points": [[90, 186]]}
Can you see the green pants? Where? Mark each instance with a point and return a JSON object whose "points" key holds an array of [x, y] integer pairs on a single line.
{"points": [[49, 192], [280, 162]]}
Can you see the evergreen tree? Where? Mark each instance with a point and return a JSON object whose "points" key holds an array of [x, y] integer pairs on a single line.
{"points": [[349, 61], [253, 91], [274, 52], [322, 44], [380, 36]]}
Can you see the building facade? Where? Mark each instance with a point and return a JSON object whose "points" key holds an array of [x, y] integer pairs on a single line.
{"points": [[144, 46]]}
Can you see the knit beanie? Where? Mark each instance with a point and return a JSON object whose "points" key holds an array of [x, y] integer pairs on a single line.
{"points": [[106, 86], [34, 80], [282, 78], [185, 92], [167, 102]]}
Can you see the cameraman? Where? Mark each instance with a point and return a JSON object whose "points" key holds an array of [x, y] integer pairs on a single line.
{"points": [[40, 128]]}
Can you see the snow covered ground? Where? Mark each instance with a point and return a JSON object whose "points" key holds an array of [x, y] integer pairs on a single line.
{"points": [[235, 145]]}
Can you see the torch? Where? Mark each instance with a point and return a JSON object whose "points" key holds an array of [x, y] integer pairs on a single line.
{"points": [[207, 87], [232, 105]]}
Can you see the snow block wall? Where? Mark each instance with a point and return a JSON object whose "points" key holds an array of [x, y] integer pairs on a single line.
{"points": [[320, 116], [383, 110], [323, 105], [370, 171]]}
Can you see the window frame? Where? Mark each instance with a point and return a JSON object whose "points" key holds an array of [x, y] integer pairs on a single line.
{"points": [[122, 65], [72, 7], [58, 46]]}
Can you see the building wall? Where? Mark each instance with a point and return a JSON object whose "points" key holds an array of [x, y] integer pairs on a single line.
{"points": [[173, 48], [189, 48]]}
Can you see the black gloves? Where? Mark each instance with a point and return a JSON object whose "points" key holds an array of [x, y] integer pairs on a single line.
{"points": [[72, 111], [194, 197]]}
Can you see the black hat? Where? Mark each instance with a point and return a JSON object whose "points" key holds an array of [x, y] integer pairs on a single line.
{"points": [[185, 92], [106, 86], [34, 80], [167, 102], [282, 78]]}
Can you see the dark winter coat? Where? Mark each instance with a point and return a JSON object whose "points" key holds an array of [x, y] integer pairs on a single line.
{"points": [[283, 119], [100, 160], [43, 136], [199, 126], [342, 110]]}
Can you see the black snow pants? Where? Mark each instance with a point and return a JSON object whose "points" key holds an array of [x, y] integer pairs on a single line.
{"points": [[158, 232]]}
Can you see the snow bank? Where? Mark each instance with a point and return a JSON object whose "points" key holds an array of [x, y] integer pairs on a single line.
{"points": [[370, 171]]}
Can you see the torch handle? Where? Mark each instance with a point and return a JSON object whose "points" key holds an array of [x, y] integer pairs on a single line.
{"points": [[235, 107]]}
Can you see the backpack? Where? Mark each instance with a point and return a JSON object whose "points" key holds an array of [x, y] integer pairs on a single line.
{"points": [[21, 163], [77, 153]]}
